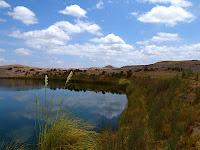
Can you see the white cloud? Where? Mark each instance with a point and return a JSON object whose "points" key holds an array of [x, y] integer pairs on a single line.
{"points": [[109, 39], [160, 48], [184, 52], [89, 27], [56, 35], [23, 51], [180, 3], [24, 14], [165, 37], [101, 52], [74, 10], [161, 37], [166, 15], [4, 4], [2, 50], [112, 41], [112, 49], [100, 5], [56, 40], [78, 27], [134, 14]]}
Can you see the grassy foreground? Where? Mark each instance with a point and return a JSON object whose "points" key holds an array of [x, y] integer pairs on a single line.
{"points": [[162, 113]]}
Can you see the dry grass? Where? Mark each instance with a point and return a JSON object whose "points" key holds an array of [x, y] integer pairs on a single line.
{"points": [[67, 134]]}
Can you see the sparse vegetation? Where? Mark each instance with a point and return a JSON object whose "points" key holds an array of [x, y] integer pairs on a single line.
{"points": [[162, 113], [157, 117]]}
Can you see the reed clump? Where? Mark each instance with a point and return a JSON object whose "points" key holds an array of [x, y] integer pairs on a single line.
{"points": [[63, 132], [66, 133]]}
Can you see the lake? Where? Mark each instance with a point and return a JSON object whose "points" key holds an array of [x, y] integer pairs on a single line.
{"points": [[99, 105]]}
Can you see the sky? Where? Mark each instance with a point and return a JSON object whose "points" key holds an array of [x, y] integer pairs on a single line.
{"points": [[96, 33]]}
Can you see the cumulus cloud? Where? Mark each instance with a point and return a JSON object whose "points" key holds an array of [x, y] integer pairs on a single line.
{"points": [[4, 4], [74, 10], [100, 5], [165, 37], [165, 52], [180, 3], [159, 48], [166, 15], [56, 39], [112, 49], [161, 37], [43, 39], [23, 14], [109, 39], [56, 35], [23, 51], [106, 51]]}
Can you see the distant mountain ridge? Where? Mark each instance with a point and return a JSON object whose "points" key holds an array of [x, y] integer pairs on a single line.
{"points": [[193, 65], [12, 71], [109, 67]]}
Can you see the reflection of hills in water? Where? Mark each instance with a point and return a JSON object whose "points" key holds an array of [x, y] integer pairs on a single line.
{"points": [[24, 84], [19, 84], [104, 88], [18, 107]]}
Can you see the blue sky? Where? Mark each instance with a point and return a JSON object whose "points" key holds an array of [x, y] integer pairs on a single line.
{"points": [[75, 33]]}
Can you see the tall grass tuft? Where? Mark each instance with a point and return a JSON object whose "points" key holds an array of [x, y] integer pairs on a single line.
{"points": [[69, 78], [67, 134], [60, 131]]}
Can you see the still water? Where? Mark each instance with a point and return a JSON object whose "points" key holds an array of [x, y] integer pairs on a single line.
{"points": [[91, 104]]}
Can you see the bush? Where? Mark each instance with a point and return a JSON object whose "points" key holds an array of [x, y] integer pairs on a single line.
{"points": [[9, 68]]}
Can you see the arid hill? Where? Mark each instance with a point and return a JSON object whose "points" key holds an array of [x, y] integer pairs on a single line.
{"points": [[193, 65], [15, 71]]}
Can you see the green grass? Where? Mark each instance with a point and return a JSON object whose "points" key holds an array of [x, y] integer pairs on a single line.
{"points": [[157, 117], [58, 131], [67, 134]]}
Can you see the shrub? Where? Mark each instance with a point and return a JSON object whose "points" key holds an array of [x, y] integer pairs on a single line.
{"points": [[9, 68]]}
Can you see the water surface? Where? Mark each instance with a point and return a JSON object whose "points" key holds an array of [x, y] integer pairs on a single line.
{"points": [[18, 105]]}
